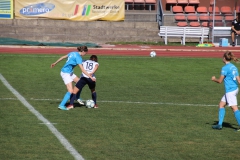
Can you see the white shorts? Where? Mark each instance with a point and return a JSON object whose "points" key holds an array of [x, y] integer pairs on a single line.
{"points": [[67, 77], [230, 98]]}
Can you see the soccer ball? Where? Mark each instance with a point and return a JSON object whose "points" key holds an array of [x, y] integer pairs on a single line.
{"points": [[90, 103], [153, 54]]}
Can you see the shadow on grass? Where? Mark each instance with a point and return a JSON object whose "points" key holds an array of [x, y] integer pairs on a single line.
{"points": [[225, 125]]}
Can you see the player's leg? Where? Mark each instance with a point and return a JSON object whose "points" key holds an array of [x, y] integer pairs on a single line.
{"points": [[92, 86], [80, 84], [232, 97], [233, 38], [67, 79], [221, 113]]}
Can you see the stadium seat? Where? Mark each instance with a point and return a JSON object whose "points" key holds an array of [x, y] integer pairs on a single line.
{"points": [[229, 18], [226, 10], [150, 4], [211, 2], [129, 4], [182, 24], [228, 24], [139, 4], [237, 9], [182, 2], [217, 10], [203, 17], [202, 10], [205, 24], [192, 2], [192, 17], [216, 18], [171, 3], [194, 24], [180, 17], [189, 9], [177, 9]]}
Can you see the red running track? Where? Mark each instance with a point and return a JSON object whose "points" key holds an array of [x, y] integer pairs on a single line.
{"points": [[128, 50]]}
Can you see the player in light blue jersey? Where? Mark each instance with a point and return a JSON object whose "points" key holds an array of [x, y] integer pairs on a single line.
{"points": [[230, 76], [73, 59]]}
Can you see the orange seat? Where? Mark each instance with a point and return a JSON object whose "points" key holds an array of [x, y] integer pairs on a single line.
{"points": [[228, 24], [189, 9], [205, 24], [229, 18], [226, 10], [182, 24], [211, 2], [177, 9], [237, 9], [192, 17], [193, 2], [194, 24], [182, 1], [171, 3], [217, 11], [180, 17], [203, 17], [216, 18], [202, 9]]}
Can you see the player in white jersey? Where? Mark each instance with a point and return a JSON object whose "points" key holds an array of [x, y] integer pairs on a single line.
{"points": [[91, 67], [73, 59]]}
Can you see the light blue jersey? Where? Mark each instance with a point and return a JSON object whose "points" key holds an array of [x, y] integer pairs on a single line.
{"points": [[230, 72], [74, 59]]}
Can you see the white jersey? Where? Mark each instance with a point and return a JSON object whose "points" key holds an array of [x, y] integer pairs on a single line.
{"points": [[89, 66]]}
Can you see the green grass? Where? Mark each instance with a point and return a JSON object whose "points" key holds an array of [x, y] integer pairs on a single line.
{"points": [[149, 108]]}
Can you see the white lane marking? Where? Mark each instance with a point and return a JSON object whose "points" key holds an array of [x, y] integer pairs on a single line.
{"points": [[154, 103], [50, 126]]}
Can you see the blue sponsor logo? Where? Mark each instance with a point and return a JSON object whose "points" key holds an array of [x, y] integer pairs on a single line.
{"points": [[37, 9]]}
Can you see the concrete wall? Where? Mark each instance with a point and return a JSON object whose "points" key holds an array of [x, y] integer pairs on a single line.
{"points": [[45, 30]]}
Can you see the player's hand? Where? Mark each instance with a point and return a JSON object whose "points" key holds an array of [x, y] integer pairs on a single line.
{"points": [[93, 79], [213, 78], [52, 65]]}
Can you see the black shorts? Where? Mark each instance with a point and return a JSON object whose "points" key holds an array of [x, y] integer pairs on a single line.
{"points": [[83, 81]]}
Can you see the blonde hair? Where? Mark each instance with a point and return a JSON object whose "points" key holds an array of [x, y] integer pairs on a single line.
{"points": [[229, 56]]}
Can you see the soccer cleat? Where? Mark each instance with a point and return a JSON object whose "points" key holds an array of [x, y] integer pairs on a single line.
{"points": [[217, 126], [70, 106], [62, 108], [80, 101], [95, 106], [233, 44], [238, 130]]}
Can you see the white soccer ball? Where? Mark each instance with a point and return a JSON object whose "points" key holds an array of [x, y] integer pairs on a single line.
{"points": [[153, 54], [90, 103]]}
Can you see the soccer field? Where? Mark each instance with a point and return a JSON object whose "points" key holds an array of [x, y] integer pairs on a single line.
{"points": [[149, 108]]}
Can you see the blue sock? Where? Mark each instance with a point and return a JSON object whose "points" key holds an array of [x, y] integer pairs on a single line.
{"points": [[94, 97], [221, 115], [237, 116], [72, 99], [65, 99]]}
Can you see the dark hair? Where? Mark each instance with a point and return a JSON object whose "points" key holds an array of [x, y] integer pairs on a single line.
{"points": [[82, 49], [94, 58], [230, 56]]}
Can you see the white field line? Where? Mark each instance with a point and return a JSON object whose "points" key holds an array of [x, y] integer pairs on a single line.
{"points": [[153, 103], [50, 126]]}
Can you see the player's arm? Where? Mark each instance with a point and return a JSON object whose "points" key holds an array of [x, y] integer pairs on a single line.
{"points": [[95, 69], [238, 79], [86, 73], [61, 58], [219, 80]]}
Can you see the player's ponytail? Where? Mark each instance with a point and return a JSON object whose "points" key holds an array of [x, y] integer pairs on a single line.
{"points": [[82, 49], [230, 56]]}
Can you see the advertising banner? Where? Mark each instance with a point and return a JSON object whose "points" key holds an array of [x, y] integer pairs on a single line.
{"points": [[75, 10], [6, 9]]}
